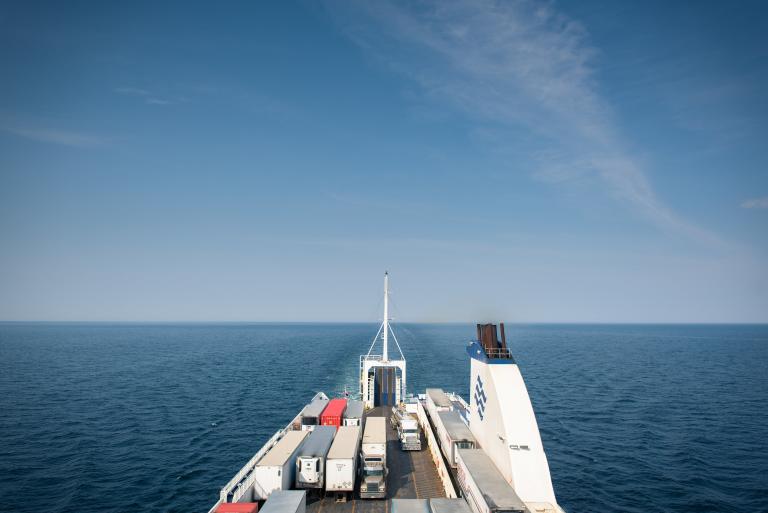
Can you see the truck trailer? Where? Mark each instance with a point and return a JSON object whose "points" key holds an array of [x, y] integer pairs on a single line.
{"points": [[454, 434], [341, 462], [333, 413], [275, 471], [410, 506], [353, 415], [484, 487], [443, 505], [286, 501], [437, 401], [373, 456], [310, 460], [310, 415]]}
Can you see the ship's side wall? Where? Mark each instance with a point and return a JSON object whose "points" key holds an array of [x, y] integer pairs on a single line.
{"points": [[499, 405]]}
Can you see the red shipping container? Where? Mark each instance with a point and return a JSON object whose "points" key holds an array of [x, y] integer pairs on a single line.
{"points": [[333, 413], [238, 507]]}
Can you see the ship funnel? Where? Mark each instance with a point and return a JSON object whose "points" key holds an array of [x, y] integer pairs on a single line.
{"points": [[488, 338], [502, 419]]}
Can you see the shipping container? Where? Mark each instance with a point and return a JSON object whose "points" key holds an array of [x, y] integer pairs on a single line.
{"points": [[310, 460], [409, 506], [276, 470], [453, 434], [238, 507], [310, 415], [437, 401], [341, 462], [333, 413], [353, 415], [443, 505], [484, 487], [373, 455], [286, 501]]}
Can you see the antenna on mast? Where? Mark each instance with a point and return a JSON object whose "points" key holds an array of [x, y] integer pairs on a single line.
{"points": [[384, 354]]}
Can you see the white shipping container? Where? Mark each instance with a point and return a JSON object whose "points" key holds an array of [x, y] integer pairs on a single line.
{"points": [[341, 464], [276, 471], [286, 501], [484, 487]]}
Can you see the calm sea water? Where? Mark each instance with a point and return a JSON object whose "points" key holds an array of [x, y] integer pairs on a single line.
{"points": [[130, 418]]}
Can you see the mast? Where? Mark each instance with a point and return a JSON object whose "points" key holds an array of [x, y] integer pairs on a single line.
{"points": [[384, 354]]}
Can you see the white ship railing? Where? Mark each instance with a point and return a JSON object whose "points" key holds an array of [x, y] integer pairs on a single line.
{"points": [[496, 354], [245, 478], [434, 450], [456, 397]]}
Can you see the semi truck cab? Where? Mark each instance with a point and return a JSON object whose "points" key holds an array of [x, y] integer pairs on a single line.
{"points": [[374, 474]]}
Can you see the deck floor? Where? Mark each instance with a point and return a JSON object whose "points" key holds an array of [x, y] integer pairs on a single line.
{"points": [[412, 475]]}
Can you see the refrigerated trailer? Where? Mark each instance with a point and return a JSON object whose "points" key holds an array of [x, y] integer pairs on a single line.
{"points": [[310, 415], [484, 487], [310, 460], [275, 471], [353, 415], [341, 462], [373, 456], [286, 501], [454, 434]]}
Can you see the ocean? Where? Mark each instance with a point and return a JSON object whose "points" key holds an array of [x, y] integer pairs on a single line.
{"points": [[157, 417]]}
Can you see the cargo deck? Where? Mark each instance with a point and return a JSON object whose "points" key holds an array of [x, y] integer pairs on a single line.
{"points": [[412, 475]]}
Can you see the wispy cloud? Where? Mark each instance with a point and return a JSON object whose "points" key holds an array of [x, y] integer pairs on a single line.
{"points": [[65, 138], [755, 203], [149, 97], [520, 65]]}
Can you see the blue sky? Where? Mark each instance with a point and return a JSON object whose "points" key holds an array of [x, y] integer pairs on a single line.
{"points": [[520, 161]]}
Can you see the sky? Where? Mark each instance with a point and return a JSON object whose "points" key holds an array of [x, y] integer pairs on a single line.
{"points": [[521, 161]]}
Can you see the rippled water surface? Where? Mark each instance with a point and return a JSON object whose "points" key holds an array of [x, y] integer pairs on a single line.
{"points": [[158, 417]]}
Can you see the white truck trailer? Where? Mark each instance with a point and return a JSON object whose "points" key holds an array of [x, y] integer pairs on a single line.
{"points": [[410, 506], [373, 456], [443, 505], [437, 401], [275, 471], [286, 501], [341, 462], [353, 415], [310, 460], [310, 415], [454, 434], [484, 487]]}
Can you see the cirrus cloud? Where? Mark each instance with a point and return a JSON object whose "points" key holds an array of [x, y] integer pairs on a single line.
{"points": [[523, 66]]}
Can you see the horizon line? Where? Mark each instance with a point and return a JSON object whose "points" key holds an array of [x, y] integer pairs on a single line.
{"points": [[314, 322]]}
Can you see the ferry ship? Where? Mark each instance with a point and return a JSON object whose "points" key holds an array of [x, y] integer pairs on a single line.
{"points": [[382, 450]]}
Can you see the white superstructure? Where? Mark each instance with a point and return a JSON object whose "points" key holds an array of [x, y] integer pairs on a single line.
{"points": [[383, 380]]}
